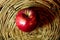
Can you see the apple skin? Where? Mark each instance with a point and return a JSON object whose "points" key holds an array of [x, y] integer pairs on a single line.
{"points": [[26, 20]]}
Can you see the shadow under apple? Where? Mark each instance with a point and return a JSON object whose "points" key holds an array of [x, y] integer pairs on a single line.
{"points": [[44, 15]]}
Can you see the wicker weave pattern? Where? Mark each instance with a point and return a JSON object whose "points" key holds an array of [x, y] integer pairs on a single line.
{"points": [[8, 29]]}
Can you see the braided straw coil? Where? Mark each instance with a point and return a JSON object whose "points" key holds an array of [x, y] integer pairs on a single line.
{"points": [[8, 29]]}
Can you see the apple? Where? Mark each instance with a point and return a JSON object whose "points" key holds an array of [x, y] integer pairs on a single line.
{"points": [[26, 20]]}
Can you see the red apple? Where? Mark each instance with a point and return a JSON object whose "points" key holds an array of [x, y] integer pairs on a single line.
{"points": [[26, 20]]}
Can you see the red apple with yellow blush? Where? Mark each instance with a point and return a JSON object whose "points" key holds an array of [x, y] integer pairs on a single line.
{"points": [[26, 20]]}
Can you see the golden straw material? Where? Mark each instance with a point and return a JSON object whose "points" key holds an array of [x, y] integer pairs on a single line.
{"points": [[8, 29]]}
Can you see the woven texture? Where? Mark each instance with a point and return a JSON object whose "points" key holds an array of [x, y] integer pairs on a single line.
{"points": [[8, 29]]}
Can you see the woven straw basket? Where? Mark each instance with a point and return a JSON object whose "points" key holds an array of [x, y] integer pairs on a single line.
{"points": [[9, 31]]}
